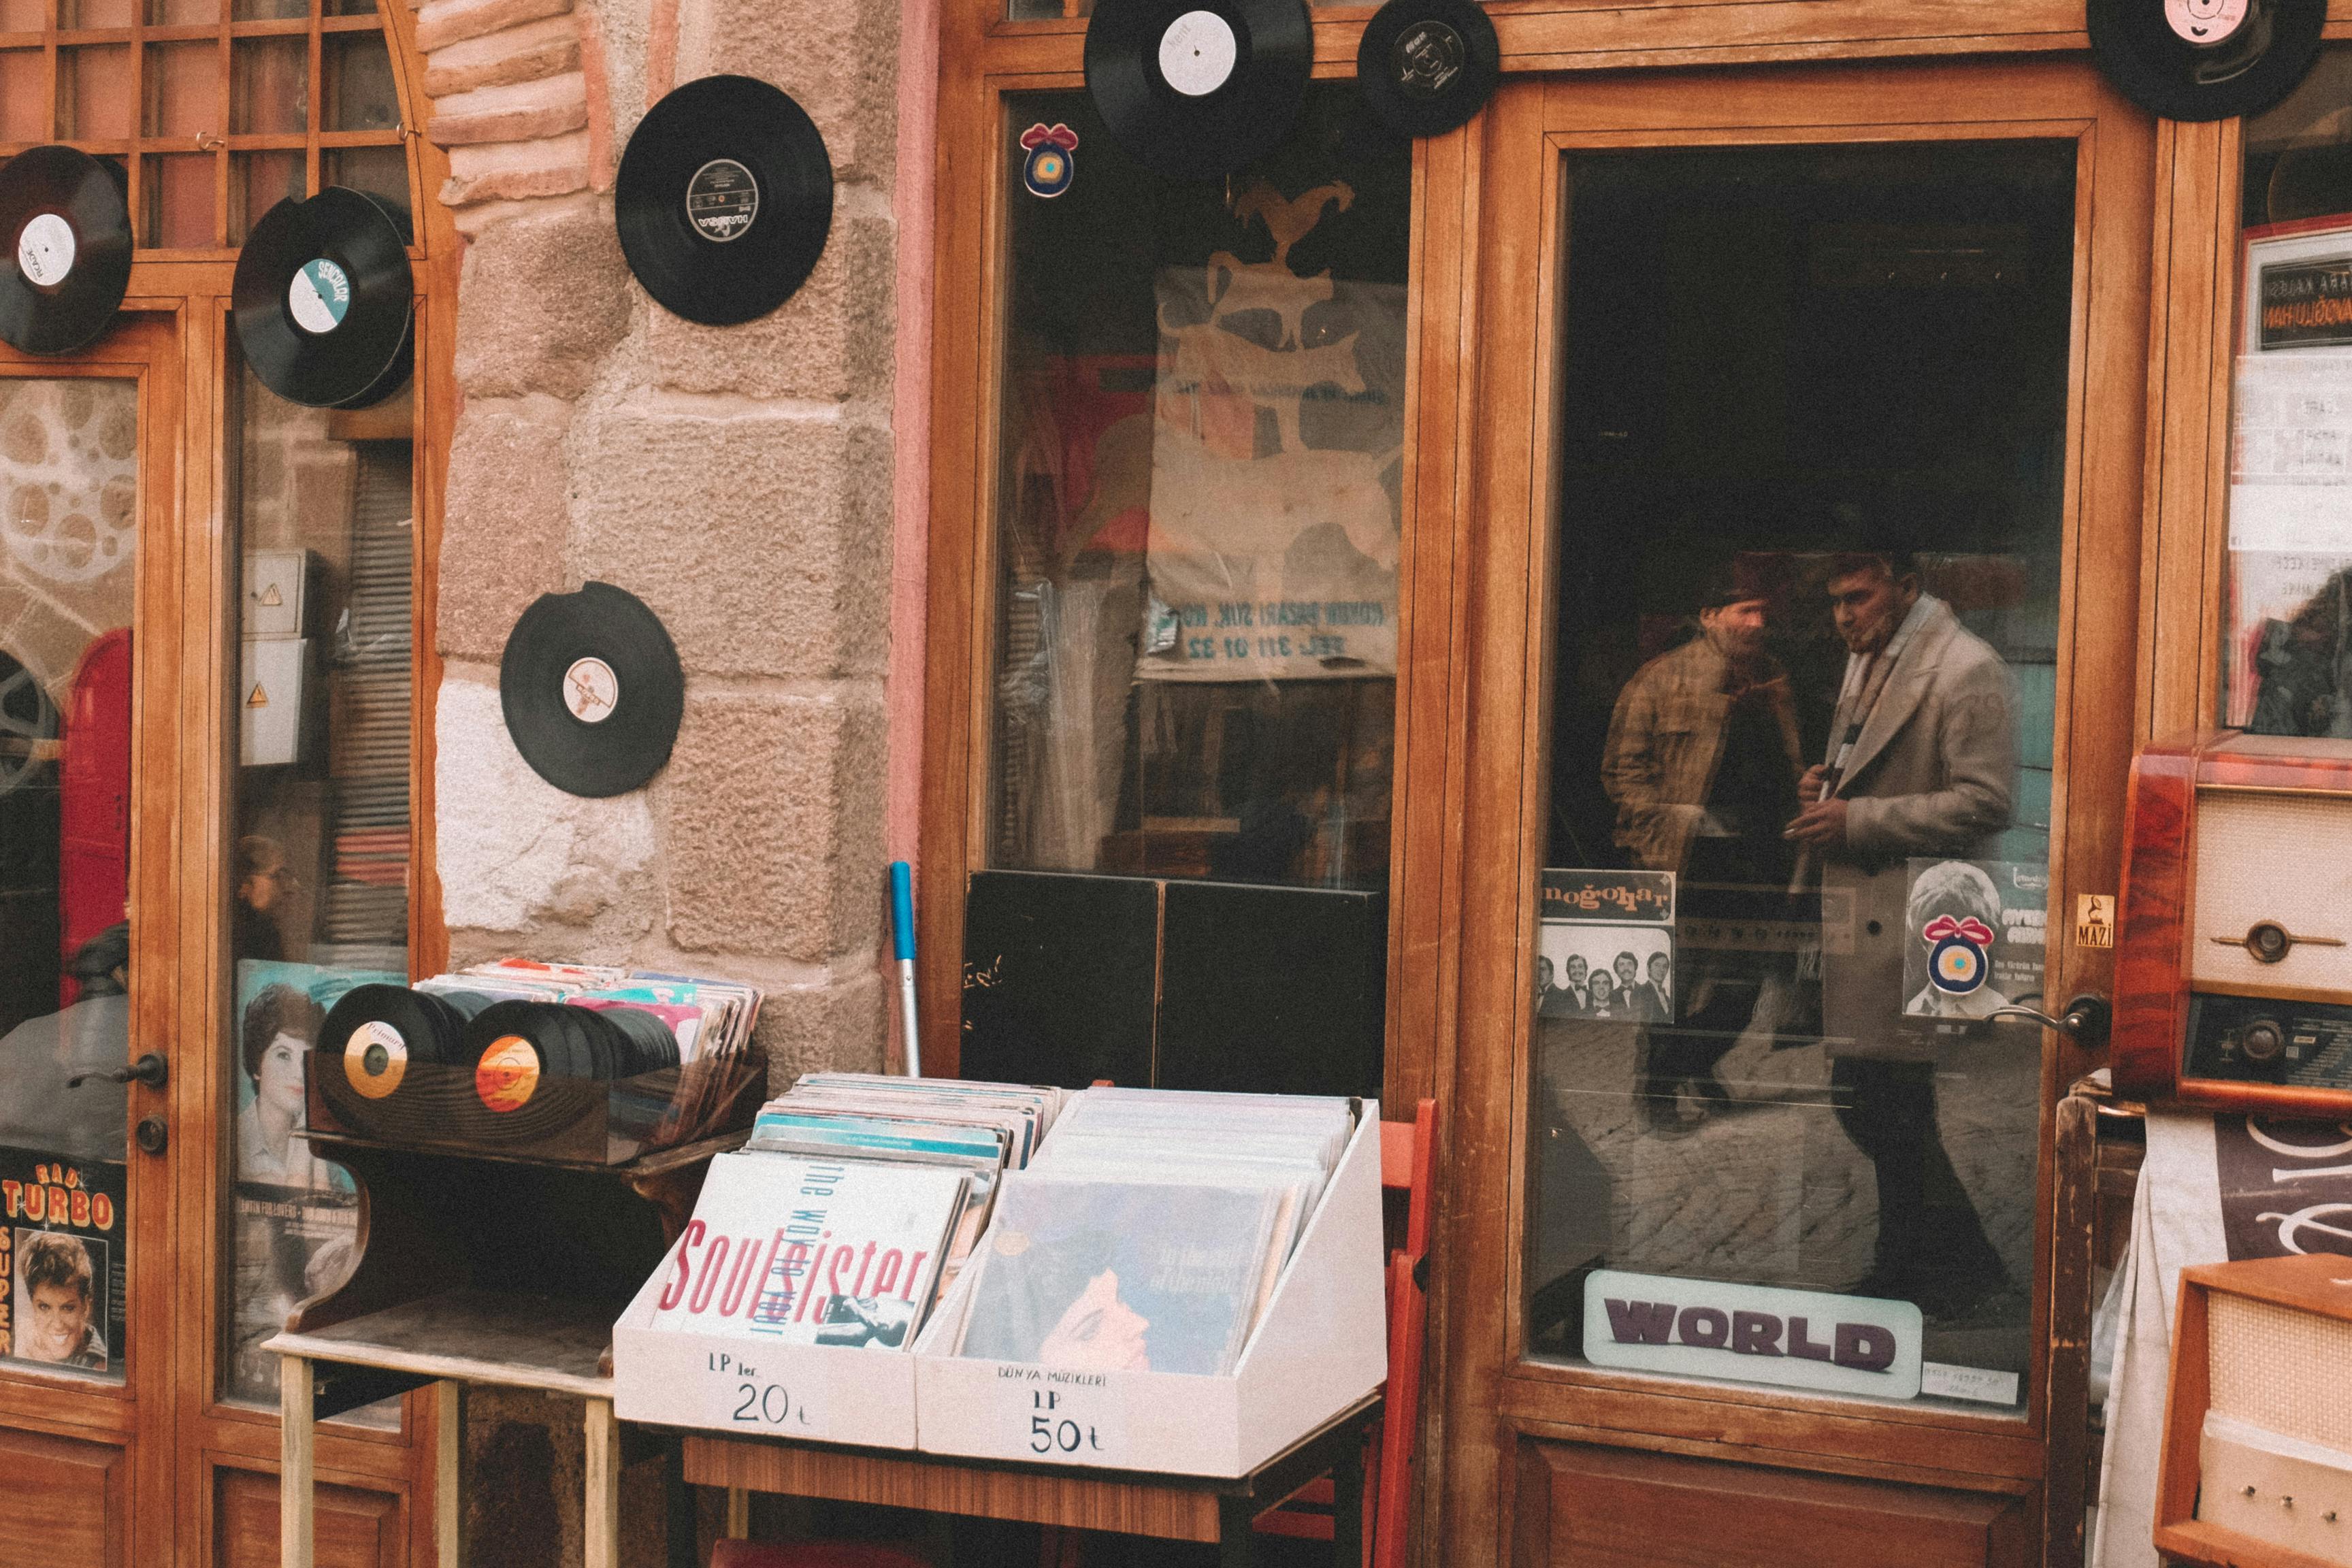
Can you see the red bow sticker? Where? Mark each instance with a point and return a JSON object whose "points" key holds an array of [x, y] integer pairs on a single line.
{"points": [[1057, 134], [1972, 929]]}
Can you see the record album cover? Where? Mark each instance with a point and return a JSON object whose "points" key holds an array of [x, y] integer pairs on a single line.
{"points": [[63, 1226]]}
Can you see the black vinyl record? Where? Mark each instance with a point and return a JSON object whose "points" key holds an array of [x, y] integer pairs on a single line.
{"points": [[324, 300], [592, 689], [2206, 59], [373, 1035], [69, 234], [1427, 66], [724, 198], [1195, 88]]}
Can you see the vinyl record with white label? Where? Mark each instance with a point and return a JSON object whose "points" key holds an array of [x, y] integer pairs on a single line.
{"points": [[1427, 66], [68, 229], [2206, 59], [723, 199], [592, 690], [323, 300], [1195, 88]]}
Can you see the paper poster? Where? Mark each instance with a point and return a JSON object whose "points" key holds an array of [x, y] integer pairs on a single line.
{"points": [[1605, 946], [1977, 935], [2291, 453], [63, 1232], [1276, 452]]}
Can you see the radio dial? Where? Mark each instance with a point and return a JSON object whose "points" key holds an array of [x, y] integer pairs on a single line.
{"points": [[2262, 1041]]}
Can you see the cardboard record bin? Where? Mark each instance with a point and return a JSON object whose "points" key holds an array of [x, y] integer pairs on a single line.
{"points": [[541, 1080]]}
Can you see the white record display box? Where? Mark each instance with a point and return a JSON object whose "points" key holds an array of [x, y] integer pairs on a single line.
{"points": [[1320, 1345]]}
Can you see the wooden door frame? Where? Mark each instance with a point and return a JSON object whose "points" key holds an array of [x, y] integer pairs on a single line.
{"points": [[1491, 1397], [143, 347]]}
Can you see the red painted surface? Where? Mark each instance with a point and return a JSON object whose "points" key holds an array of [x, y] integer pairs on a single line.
{"points": [[94, 799]]}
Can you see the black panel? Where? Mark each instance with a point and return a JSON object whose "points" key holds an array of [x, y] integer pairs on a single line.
{"points": [[1279, 990], [1057, 978]]}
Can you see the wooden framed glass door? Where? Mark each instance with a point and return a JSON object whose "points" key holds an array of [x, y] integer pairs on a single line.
{"points": [[91, 610], [1800, 593]]}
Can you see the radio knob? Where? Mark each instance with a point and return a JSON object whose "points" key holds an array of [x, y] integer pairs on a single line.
{"points": [[2262, 1041]]}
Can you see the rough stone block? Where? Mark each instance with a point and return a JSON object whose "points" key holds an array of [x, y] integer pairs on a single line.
{"points": [[516, 111], [516, 171], [839, 59], [517, 855], [541, 298], [502, 539], [762, 538], [445, 22], [830, 340], [837, 1026], [772, 831], [546, 47]]}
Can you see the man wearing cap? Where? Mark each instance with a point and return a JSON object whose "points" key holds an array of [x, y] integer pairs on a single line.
{"points": [[1921, 761], [1702, 761]]}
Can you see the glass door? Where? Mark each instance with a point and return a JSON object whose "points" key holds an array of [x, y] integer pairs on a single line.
{"points": [[1800, 696], [89, 594]]}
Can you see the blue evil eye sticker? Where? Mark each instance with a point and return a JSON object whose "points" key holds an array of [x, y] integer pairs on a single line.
{"points": [[319, 297], [1050, 167], [1956, 962]]}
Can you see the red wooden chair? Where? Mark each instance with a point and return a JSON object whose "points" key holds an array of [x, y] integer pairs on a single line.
{"points": [[1408, 1163]]}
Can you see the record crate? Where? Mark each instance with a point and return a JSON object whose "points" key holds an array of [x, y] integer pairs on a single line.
{"points": [[569, 1120]]}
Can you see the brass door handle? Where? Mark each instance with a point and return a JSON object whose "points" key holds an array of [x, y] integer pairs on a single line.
{"points": [[2267, 941]]}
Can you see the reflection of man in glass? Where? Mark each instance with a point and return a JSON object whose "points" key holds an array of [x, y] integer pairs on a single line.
{"points": [[1922, 753], [279, 1027], [93, 1036], [60, 1290], [262, 882], [1701, 761]]}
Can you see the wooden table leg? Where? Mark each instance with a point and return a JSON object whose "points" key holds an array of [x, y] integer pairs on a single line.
{"points": [[295, 1469], [1237, 1533], [601, 1545], [448, 1472], [1348, 1506], [739, 1512]]}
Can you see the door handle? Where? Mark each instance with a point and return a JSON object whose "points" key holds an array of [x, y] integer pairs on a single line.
{"points": [[2088, 1018], [149, 1069]]}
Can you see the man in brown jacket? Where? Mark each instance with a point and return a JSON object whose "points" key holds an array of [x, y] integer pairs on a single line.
{"points": [[1702, 760], [1922, 760]]}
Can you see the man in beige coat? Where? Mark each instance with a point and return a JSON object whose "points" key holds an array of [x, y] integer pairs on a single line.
{"points": [[1922, 762]]}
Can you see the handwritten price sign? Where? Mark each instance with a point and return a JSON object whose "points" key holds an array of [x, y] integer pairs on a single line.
{"points": [[1066, 1418]]}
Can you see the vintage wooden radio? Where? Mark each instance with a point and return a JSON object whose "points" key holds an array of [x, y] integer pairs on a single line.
{"points": [[2233, 982], [2257, 1462]]}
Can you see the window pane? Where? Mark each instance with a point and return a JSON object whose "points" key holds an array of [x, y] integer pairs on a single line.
{"points": [[2285, 667], [357, 73], [1812, 449], [178, 201], [319, 860], [270, 90], [24, 95], [257, 182], [90, 14], [94, 99], [183, 13], [1202, 437], [350, 7], [379, 171], [268, 10], [183, 89], [23, 15], [69, 481]]}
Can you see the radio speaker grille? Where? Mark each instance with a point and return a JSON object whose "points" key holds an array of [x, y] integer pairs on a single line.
{"points": [[2283, 857], [2281, 1369]]}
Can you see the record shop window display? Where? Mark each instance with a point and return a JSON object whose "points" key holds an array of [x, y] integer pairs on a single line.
{"points": [[2287, 662], [1809, 526], [319, 884], [1201, 452]]}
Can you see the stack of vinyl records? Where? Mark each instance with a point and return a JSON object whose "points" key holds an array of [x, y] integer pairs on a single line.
{"points": [[366, 896], [1150, 1233]]}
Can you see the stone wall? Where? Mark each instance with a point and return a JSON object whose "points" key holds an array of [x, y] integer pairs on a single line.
{"points": [[737, 480]]}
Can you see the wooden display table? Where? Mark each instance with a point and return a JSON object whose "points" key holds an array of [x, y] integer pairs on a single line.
{"points": [[1129, 1502], [479, 1269]]}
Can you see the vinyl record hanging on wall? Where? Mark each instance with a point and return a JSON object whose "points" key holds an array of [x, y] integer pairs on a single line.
{"points": [[2206, 59], [68, 262], [324, 300], [592, 690], [1195, 88], [1427, 66], [724, 198]]}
